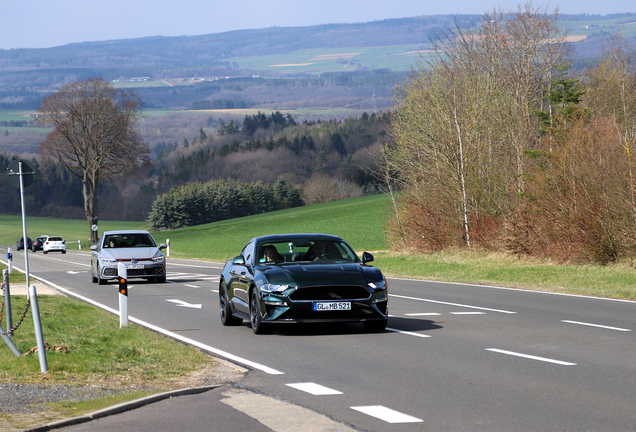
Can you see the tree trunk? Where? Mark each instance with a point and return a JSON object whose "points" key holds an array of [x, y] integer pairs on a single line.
{"points": [[89, 190]]}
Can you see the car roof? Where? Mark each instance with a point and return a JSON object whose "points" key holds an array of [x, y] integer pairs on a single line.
{"points": [[296, 236], [126, 232]]}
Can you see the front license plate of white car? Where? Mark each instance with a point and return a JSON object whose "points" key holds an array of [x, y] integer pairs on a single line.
{"points": [[332, 306], [134, 266]]}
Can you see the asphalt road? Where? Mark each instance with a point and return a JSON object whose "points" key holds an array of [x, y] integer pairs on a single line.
{"points": [[454, 356]]}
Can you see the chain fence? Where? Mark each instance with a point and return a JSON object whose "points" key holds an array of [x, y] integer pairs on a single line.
{"points": [[10, 331]]}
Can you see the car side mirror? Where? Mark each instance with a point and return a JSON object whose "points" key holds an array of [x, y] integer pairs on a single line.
{"points": [[366, 257], [163, 246], [94, 247], [239, 260]]}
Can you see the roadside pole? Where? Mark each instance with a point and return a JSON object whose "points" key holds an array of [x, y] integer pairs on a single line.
{"points": [[24, 230], [123, 294], [37, 324], [22, 174]]}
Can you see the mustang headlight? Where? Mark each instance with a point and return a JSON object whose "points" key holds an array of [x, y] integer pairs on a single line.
{"points": [[273, 288], [109, 260], [379, 285]]}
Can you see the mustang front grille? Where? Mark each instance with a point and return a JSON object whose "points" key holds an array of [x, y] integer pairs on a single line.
{"points": [[331, 293]]}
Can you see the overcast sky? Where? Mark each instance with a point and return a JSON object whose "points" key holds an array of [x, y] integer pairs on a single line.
{"points": [[47, 23]]}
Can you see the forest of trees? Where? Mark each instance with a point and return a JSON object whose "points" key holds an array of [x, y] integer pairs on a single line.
{"points": [[498, 146], [339, 155]]}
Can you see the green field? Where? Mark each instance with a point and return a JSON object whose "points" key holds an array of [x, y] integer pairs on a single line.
{"points": [[395, 57], [16, 115], [361, 222]]}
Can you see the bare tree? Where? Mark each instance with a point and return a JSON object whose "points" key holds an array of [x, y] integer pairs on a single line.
{"points": [[94, 135], [612, 92]]}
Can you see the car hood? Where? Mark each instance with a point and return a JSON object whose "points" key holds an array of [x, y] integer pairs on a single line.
{"points": [[130, 253], [312, 274]]}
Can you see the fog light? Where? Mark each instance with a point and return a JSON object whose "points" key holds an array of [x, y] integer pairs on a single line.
{"points": [[275, 303]]}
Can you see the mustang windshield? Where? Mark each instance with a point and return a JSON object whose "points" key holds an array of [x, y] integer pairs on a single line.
{"points": [[305, 250]]}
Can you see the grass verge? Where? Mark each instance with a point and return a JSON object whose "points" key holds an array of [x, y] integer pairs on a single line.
{"points": [[616, 281], [116, 364]]}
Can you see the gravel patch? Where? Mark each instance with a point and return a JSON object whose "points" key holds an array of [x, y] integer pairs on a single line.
{"points": [[27, 398]]}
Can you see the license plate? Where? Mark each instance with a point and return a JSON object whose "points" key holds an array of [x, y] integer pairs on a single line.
{"points": [[134, 266], [332, 306]]}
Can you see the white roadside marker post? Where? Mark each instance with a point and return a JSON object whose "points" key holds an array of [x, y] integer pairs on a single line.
{"points": [[123, 294]]}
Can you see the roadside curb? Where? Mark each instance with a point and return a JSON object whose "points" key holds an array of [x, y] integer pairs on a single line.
{"points": [[123, 407]]}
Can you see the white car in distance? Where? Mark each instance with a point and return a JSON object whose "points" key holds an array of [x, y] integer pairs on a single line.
{"points": [[54, 244]]}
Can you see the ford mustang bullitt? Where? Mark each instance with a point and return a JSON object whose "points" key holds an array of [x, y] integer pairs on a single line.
{"points": [[302, 278]]}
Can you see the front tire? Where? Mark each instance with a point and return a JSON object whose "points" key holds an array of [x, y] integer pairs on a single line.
{"points": [[100, 281], [225, 310], [255, 315]]}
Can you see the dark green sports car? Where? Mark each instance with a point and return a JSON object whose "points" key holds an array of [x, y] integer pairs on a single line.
{"points": [[302, 278]]}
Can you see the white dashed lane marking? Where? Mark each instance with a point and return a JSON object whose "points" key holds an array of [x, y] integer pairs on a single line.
{"points": [[314, 389], [423, 314], [596, 325], [531, 357], [468, 313], [408, 333], [451, 304], [386, 414]]}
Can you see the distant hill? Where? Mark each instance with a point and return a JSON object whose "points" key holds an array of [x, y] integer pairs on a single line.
{"points": [[324, 65]]}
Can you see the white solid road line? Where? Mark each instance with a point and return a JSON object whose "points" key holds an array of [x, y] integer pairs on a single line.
{"points": [[543, 359], [451, 304], [314, 389], [596, 325], [386, 414]]}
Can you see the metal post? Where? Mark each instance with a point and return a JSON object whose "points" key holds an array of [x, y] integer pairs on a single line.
{"points": [[44, 367], [9, 343], [10, 259], [7, 299], [24, 230], [123, 294]]}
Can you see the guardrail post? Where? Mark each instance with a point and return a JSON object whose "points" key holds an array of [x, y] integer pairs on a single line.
{"points": [[7, 299], [123, 294], [44, 367]]}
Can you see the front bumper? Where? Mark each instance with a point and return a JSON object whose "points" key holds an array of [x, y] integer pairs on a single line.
{"points": [[149, 270], [284, 309]]}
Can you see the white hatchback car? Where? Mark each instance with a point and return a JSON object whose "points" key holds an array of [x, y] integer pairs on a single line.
{"points": [[54, 244]]}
